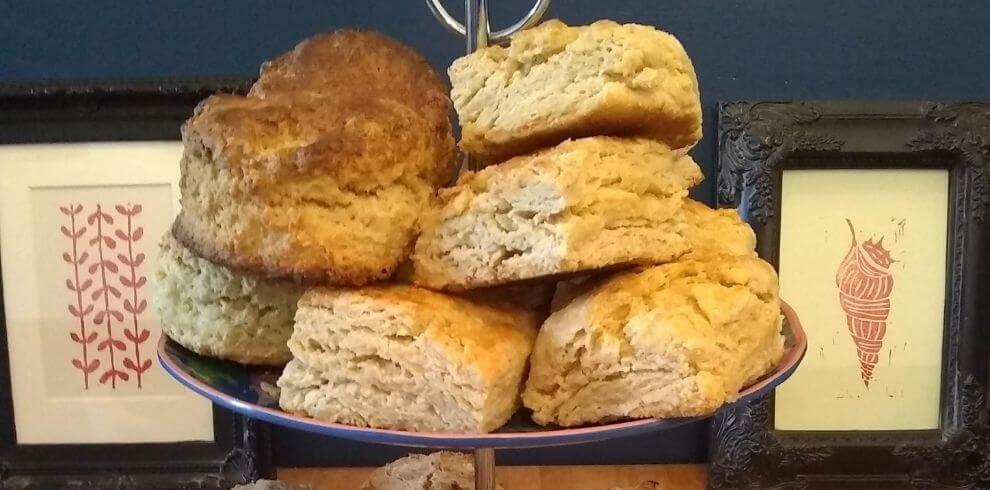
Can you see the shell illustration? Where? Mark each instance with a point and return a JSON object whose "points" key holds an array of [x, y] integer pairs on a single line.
{"points": [[865, 284]]}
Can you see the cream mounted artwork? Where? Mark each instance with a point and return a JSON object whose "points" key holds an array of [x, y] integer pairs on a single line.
{"points": [[860, 251], [79, 325]]}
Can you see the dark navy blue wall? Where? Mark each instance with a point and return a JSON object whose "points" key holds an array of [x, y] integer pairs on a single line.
{"points": [[742, 49]]}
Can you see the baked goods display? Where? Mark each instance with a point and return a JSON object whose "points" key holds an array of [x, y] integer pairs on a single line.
{"points": [[555, 82], [674, 340], [442, 470], [403, 357], [218, 312], [425, 300]]}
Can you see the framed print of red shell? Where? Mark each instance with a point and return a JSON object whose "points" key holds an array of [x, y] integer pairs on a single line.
{"points": [[935, 317]]}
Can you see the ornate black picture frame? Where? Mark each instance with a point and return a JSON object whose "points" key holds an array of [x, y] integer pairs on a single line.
{"points": [[240, 449], [757, 142]]}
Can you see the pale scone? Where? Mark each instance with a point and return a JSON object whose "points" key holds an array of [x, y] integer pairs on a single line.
{"points": [[320, 189], [361, 62], [584, 204], [406, 358], [676, 340], [555, 82], [442, 470], [716, 232], [217, 312]]}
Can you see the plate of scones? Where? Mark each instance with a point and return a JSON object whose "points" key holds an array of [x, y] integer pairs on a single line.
{"points": [[341, 265]]}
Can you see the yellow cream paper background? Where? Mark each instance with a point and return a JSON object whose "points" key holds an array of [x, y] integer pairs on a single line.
{"points": [[909, 209]]}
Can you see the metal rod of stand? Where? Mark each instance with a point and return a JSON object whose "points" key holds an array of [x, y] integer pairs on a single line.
{"points": [[476, 33], [484, 469], [476, 20]]}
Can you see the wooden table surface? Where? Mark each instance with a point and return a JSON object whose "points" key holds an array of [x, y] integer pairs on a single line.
{"points": [[671, 477]]}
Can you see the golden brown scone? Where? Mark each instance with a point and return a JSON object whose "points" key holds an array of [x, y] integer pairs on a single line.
{"points": [[716, 232], [406, 358], [359, 62], [675, 340], [319, 188], [555, 82], [582, 205]]}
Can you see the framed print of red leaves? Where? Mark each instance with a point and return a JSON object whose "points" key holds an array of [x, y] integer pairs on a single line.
{"points": [[88, 185]]}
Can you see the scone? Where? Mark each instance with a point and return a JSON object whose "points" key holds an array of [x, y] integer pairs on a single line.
{"points": [[555, 82], [217, 312], [676, 340], [361, 62], [716, 232], [318, 188], [584, 204], [405, 358], [437, 471]]}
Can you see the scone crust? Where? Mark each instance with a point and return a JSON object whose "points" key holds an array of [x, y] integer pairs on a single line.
{"points": [[317, 188], [637, 81], [405, 358], [584, 204], [364, 62], [716, 232], [676, 340], [217, 312], [473, 333]]}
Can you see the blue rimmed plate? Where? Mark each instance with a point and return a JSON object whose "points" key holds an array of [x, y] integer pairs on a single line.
{"points": [[249, 391]]}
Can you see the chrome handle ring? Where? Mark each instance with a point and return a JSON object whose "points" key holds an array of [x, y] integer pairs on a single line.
{"points": [[453, 25]]}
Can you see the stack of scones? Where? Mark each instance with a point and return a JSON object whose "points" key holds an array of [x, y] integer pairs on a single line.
{"points": [[319, 229]]}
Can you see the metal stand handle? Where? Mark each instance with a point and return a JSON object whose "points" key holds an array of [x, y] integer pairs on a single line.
{"points": [[473, 8], [478, 32]]}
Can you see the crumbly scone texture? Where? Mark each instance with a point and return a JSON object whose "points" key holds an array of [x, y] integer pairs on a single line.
{"points": [[318, 188], [716, 232], [406, 358], [584, 204], [675, 340], [217, 312], [555, 82], [362, 62], [442, 470]]}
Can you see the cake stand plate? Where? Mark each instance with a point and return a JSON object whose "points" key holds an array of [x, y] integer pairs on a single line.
{"points": [[250, 391]]}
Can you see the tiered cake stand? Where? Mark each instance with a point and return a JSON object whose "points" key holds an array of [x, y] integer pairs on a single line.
{"points": [[251, 391]]}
